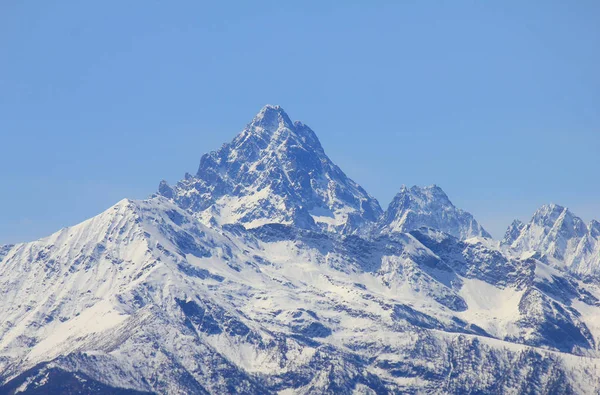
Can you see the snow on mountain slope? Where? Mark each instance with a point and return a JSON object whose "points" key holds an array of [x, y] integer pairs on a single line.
{"points": [[417, 207], [542, 300], [143, 297], [561, 238], [271, 272], [513, 232], [99, 286], [274, 171], [4, 249]]}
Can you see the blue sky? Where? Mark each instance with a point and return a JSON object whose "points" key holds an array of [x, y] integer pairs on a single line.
{"points": [[496, 102]]}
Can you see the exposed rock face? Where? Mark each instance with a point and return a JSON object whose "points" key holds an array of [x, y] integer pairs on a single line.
{"points": [[146, 298], [416, 207], [561, 239], [4, 250], [270, 271], [513, 232], [274, 171]]}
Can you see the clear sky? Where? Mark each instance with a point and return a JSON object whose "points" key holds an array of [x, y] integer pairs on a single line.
{"points": [[498, 102]]}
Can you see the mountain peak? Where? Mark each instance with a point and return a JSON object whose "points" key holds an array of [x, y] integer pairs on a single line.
{"points": [[272, 130], [428, 206], [274, 171], [558, 219], [513, 232], [429, 193], [557, 233], [271, 117], [549, 212]]}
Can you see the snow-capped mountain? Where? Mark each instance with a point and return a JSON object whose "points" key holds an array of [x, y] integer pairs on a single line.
{"points": [[416, 207], [196, 291], [275, 170], [513, 232], [145, 298], [561, 238]]}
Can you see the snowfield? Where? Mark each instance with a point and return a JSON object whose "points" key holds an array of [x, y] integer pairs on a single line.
{"points": [[271, 272]]}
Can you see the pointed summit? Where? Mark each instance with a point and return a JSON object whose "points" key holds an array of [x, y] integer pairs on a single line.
{"points": [[513, 232], [548, 214], [417, 207], [271, 117], [562, 239], [558, 220], [274, 171], [271, 130], [267, 122]]}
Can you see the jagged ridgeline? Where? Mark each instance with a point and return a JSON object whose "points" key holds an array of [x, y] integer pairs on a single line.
{"points": [[274, 171], [270, 271]]}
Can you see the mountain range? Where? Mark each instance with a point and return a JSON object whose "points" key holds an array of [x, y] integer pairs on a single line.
{"points": [[270, 271]]}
